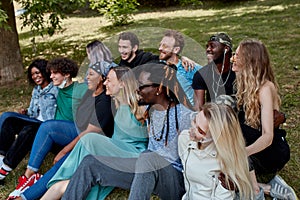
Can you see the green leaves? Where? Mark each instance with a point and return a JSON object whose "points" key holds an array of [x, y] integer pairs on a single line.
{"points": [[119, 12], [44, 16], [3, 18]]}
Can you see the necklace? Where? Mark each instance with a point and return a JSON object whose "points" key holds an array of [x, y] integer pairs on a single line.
{"points": [[219, 81], [158, 136]]}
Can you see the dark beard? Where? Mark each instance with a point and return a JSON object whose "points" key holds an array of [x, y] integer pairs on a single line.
{"points": [[130, 56]]}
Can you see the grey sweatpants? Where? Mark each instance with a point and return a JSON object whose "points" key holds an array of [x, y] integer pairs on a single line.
{"points": [[149, 174]]}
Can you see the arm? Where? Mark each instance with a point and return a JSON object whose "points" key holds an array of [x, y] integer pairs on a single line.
{"points": [[199, 99], [187, 63], [70, 146], [267, 106]]}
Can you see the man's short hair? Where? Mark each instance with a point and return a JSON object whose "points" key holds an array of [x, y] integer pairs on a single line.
{"points": [[131, 37], [179, 40], [222, 38]]}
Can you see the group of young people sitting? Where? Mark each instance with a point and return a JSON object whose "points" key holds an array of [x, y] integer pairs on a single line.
{"points": [[152, 124]]}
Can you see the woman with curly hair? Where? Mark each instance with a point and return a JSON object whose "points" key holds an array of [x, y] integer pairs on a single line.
{"points": [[257, 98], [26, 122]]}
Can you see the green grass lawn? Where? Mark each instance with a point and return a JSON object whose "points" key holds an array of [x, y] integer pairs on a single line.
{"points": [[275, 22]]}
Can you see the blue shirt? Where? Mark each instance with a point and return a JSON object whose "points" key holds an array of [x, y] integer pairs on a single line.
{"points": [[185, 79]]}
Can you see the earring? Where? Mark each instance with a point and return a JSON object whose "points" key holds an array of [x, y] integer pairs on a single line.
{"points": [[157, 93]]}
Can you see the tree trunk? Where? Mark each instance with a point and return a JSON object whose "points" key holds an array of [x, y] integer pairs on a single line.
{"points": [[11, 65]]}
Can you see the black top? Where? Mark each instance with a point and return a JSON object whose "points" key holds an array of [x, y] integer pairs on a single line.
{"points": [[209, 80], [140, 58], [96, 111]]}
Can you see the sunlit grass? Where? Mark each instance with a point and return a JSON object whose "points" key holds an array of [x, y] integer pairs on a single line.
{"points": [[275, 22]]}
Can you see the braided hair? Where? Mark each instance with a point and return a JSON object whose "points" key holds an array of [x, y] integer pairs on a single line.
{"points": [[165, 77]]}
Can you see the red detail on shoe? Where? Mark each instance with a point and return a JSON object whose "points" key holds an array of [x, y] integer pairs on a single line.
{"points": [[24, 184], [3, 172]]}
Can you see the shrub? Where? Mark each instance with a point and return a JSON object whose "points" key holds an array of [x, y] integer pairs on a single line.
{"points": [[119, 12]]}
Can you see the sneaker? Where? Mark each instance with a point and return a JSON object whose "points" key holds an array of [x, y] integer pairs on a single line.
{"points": [[24, 184], [281, 190]]}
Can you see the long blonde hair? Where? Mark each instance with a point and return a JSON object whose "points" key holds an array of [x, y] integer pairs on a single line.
{"points": [[255, 71], [129, 95], [227, 135]]}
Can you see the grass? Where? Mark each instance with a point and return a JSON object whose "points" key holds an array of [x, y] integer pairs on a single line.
{"points": [[275, 22]]}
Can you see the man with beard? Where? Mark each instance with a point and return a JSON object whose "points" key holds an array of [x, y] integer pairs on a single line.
{"points": [[170, 47], [216, 78], [131, 55]]}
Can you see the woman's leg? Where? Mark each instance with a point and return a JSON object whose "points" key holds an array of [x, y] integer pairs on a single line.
{"points": [[56, 191], [21, 146], [50, 132], [11, 124]]}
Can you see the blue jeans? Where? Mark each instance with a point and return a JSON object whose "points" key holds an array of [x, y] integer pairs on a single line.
{"points": [[14, 149], [38, 189], [51, 132]]}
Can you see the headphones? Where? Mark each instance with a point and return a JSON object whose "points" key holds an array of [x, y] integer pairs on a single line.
{"points": [[225, 51]]}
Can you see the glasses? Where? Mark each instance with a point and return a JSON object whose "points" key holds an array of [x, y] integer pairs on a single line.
{"points": [[141, 86]]}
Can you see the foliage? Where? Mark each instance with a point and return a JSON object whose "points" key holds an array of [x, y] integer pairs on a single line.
{"points": [[265, 20], [3, 18], [119, 12], [190, 2], [35, 17]]}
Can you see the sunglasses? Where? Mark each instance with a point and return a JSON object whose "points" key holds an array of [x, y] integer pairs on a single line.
{"points": [[141, 86], [202, 132]]}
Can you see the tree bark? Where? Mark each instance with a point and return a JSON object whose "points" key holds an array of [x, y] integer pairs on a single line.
{"points": [[11, 66]]}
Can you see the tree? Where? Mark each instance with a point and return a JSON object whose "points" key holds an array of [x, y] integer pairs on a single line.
{"points": [[11, 65]]}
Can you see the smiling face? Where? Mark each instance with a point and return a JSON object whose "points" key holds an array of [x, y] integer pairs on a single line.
{"points": [[57, 78], [199, 129], [147, 90], [126, 51], [215, 51], [38, 78], [166, 48], [112, 84], [237, 65], [93, 79]]}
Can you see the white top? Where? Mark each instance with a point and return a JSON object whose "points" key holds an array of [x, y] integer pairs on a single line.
{"points": [[201, 170]]}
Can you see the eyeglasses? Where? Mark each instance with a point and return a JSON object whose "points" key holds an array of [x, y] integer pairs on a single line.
{"points": [[141, 86]]}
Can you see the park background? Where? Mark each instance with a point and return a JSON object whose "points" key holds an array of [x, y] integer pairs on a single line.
{"points": [[274, 22]]}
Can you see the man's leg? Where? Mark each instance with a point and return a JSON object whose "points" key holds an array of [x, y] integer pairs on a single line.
{"points": [[105, 171], [155, 175]]}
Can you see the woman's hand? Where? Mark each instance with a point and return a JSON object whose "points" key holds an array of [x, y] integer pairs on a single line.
{"points": [[61, 154]]}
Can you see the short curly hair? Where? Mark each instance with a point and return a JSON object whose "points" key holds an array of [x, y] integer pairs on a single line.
{"points": [[63, 66]]}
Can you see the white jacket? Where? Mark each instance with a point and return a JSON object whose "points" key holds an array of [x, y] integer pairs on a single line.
{"points": [[201, 170]]}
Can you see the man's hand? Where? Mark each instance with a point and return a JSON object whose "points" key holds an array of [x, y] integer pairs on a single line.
{"points": [[187, 63]]}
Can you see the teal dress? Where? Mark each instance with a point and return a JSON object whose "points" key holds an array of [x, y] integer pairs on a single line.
{"points": [[128, 141]]}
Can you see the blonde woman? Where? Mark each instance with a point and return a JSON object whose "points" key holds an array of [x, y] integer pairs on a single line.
{"points": [[257, 98], [214, 144], [128, 141]]}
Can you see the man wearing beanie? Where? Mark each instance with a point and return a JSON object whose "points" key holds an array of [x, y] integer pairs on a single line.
{"points": [[216, 78]]}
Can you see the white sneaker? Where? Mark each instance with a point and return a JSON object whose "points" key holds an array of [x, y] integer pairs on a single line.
{"points": [[281, 190]]}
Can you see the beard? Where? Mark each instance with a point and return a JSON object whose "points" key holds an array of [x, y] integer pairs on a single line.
{"points": [[165, 56], [130, 56]]}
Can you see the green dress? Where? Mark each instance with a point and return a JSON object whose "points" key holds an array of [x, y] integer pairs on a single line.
{"points": [[128, 141]]}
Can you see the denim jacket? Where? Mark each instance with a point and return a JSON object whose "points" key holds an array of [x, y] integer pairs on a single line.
{"points": [[43, 101]]}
